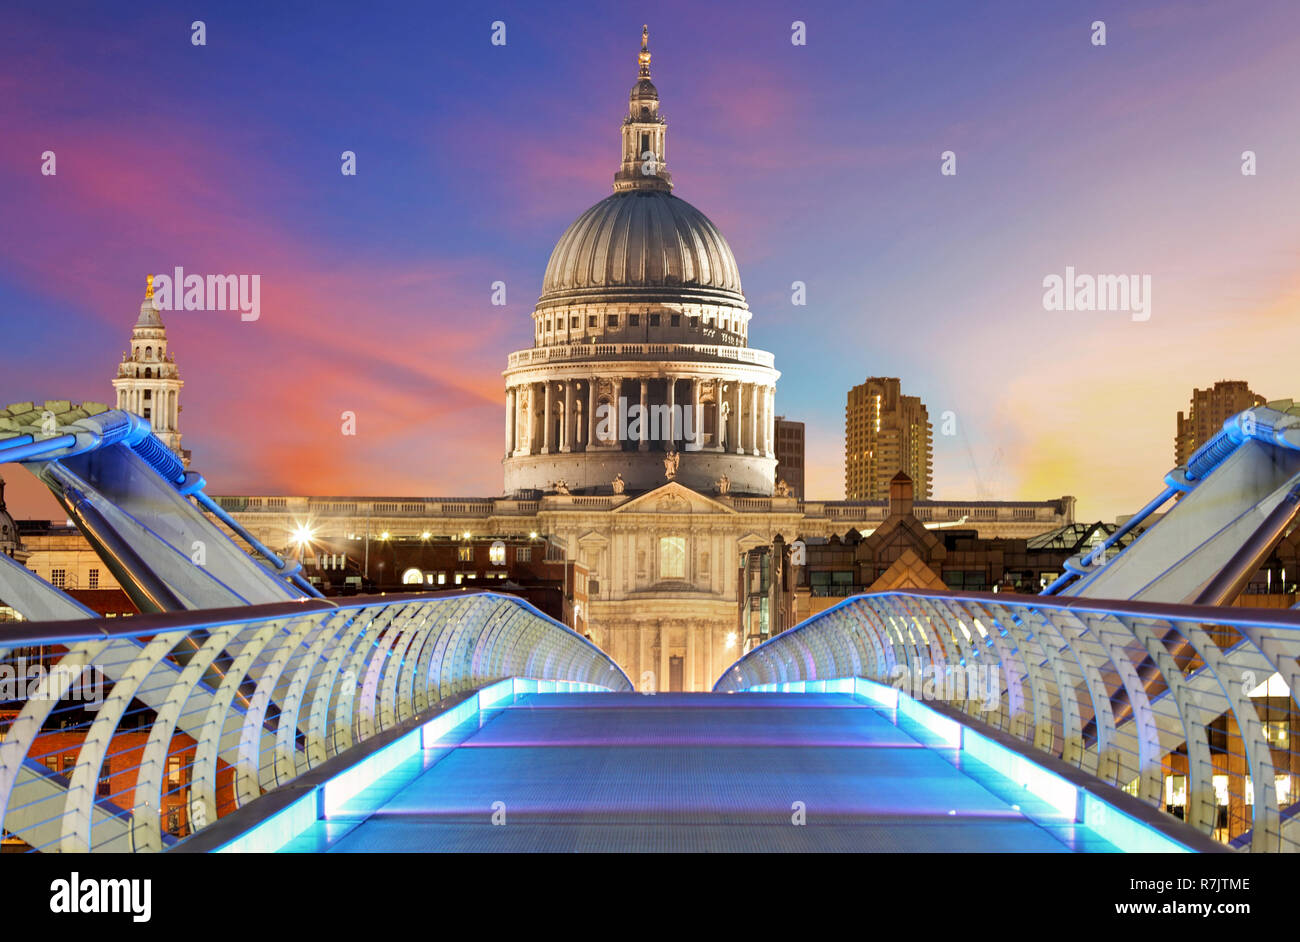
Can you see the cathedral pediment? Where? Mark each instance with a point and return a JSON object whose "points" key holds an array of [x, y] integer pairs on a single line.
{"points": [[673, 498], [593, 540]]}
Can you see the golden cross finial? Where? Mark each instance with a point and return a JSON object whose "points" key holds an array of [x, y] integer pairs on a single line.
{"points": [[645, 38], [148, 287]]}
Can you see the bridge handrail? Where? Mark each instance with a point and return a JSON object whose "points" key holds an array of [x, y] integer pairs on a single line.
{"points": [[129, 734], [1141, 695]]}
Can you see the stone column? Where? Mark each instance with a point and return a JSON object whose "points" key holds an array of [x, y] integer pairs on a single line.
{"points": [[672, 406], [697, 417], [753, 418], [691, 672], [566, 441], [643, 657], [722, 435], [767, 421], [510, 421], [546, 418], [644, 444], [591, 412], [737, 438], [666, 682], [532, 419]]}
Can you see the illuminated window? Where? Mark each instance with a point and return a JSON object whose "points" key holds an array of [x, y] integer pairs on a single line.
{"points": [[1278, 734], [412, 577], [459, 578], [465, 554], [1220, 789], [672, 557], [497, 553], [1175, 791], [442, 578], [174, 771]]}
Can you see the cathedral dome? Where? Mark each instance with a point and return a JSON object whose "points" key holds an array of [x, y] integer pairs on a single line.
{"points": [[642, 315], [639, 240]]}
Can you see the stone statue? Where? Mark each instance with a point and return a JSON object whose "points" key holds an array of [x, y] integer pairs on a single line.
{"points": [[671, 460], [561, 487], [618, 484], [722, 426], [723, 484], [782, 489]]}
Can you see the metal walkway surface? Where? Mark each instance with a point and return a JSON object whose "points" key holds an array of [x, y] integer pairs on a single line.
{"points": [[695, 772]]}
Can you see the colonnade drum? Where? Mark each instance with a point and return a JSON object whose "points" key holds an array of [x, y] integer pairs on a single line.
{"points": [[583, 429]]}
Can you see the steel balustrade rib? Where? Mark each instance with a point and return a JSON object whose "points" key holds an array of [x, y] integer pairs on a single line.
{"points": [[1128, 692], [299, 684]]}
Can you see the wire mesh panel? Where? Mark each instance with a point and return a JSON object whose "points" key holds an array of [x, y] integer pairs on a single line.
{"points": [[129, 735], [1192, 709]]}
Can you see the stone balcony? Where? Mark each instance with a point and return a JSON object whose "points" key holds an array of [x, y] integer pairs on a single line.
{"points": [[613, 352]]}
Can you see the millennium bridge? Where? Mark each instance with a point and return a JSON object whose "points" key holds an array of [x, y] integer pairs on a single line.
{"points": [[243, 712]]}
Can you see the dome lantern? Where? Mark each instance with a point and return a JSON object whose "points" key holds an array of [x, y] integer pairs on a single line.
{"points": [[644, 165]]}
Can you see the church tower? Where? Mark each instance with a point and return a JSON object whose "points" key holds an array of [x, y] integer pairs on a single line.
{"points": [[147, 382]]}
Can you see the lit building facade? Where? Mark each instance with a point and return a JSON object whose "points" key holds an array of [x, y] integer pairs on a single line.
{"points": [[1209, 409], [885, 432]]}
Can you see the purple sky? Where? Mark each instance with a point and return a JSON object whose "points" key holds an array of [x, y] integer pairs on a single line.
{"points": [[819, 162]]}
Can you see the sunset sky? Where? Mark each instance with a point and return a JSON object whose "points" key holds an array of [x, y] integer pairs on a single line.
{"points": [[820, 163]]}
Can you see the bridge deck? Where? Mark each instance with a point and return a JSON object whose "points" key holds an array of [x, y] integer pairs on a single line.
{"points": [[696, 772]]}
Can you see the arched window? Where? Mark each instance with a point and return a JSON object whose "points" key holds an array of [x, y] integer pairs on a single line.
{"points": [[148, 351], [148, 373], [412, 577]]}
